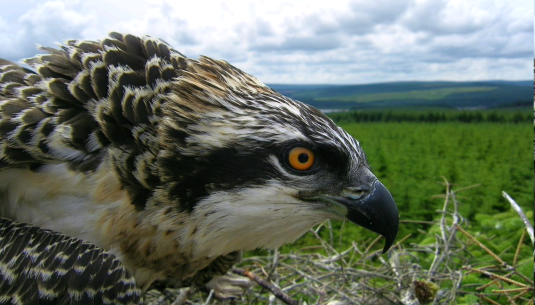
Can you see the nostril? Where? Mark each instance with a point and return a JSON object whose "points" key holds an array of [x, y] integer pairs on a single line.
{"points": [[354, 193], [357, 188]]}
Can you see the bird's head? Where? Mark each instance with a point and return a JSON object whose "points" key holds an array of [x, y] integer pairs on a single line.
{"points": [[257, 168]]}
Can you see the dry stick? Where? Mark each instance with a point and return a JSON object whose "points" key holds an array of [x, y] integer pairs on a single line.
{"points": [[407, 294], [521, 294], [275, 290], [511, 301], [443, 247], [489, 300], [457, 284], [342, 230], [337, 257], [330, 228], [483, 287], [274, 264], [402, 240], [262, 270], [443, 218], [183, 296], [447, 240], [439, 257], [209, 297], [372, 244], [525, 219], [291, 287], [272, 271], [497, 276], [306, 276], [482, 246], [517, 252], [160, 301], [524, 290], [525, 278], [326, 245]]}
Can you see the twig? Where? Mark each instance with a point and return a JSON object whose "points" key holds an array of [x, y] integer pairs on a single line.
{"points": [[518, 247], [407, 292], [497, 276], [443, 218], [275, 290], [370, 246], [209, 297], [518, 209], [274, 264], [307, 276], [324, 243], [483, 287], [443, 251], [482, 246], [489, 300], [183, 296], [523, 289]]}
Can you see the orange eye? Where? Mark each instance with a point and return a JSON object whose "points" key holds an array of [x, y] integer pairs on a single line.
{"points": [[301, 158]]}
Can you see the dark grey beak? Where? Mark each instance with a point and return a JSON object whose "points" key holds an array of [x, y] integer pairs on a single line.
{"points": [[375, 211], [366, 202]]}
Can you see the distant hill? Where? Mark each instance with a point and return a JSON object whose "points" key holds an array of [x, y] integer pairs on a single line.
{"points": [[461, 95]]}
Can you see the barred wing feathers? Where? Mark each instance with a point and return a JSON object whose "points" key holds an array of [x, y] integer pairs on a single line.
{"points": [[87, 101], [46, 267]]}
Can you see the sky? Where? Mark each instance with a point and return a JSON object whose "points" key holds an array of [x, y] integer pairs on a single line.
{"points": [[302, 42]]}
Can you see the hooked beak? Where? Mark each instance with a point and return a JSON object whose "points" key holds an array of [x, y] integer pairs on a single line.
{"points": [[375, 211], [371, 207]]}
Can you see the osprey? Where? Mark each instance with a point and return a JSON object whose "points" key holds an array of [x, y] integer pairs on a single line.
{"points": [[173, 165]]}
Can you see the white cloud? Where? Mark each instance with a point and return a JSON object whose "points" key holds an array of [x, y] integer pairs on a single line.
{"points": [[302, 41], [44, 24]]}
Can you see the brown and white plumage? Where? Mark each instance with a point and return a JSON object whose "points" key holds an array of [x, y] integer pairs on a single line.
{"points": [[174, 165], [45, 267]]}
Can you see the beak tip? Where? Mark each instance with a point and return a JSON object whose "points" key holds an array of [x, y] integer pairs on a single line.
{"points": [[378, 213], [389, 242], [390, 215]]}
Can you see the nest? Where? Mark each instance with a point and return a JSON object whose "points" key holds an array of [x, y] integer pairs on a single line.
{"points": [[360, 275]]}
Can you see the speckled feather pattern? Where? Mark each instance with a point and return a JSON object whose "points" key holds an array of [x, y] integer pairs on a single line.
{"points": [[44, 267], [173, 164]]}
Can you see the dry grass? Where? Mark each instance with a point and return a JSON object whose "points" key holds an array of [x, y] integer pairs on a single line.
{"points": [[360, 275]]}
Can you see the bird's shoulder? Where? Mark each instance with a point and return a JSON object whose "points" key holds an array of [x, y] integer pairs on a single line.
{"points": [[76, 101]]}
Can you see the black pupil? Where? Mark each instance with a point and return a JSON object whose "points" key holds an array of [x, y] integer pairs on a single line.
{"points": [[303, 158]]}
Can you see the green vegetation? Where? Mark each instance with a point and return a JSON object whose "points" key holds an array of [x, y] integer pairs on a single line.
{"points": [[438, 115], [410, 156]]}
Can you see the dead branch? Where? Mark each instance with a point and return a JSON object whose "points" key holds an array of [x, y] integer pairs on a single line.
{"points": [[275, 290], [518, 209]]}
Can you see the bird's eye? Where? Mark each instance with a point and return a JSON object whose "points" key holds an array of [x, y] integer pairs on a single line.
{"points": [[301, 158]]}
